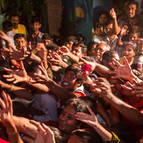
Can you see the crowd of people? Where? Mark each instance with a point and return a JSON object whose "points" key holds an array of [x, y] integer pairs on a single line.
{"points": [[60, 90]]}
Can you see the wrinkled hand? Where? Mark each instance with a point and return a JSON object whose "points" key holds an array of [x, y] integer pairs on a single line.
{"points": [[18, 55], [101, 87], [128, 89], [16, 76], [122, 71], [89, 119], [44, 135], [6, 111], [42, 77]]}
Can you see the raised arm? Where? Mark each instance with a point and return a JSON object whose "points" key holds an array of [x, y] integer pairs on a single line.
{"points": [[124, 71], [65, 51], [115, 22], [6, 116], [92, 121], [128, 111], [54, 88]]}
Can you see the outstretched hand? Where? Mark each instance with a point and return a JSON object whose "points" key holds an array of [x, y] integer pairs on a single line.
{"points": [[91, 63], [89, 119], [44, 135], [122, 71], [16, 76], [19, 55], [42, 77], [6, 111]]}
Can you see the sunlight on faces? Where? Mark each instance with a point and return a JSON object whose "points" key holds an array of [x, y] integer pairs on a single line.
{"points": [[100, 50], [133, 37], [67, 121], [77, 51], [129, 51], [20, 43], [69, 80]]}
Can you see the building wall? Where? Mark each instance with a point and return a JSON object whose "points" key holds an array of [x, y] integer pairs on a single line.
{"points": [[54, 10]]}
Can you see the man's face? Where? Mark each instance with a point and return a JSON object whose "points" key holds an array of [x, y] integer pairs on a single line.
{"points": [[129, 52], [131, 11], [109, 29], [21, 43], [99, 51], [77, 51], [103, 19], [15, 21], [69, 80], [109, 63], [99, 31], [48, 41], [133, 37], [67, 121], [36, 26]]}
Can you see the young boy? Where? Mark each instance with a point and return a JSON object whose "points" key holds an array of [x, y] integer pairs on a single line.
{"points": [[36, 36]]}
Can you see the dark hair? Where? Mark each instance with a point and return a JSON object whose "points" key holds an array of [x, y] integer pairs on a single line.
{"points": [[105, 13], [60, 137], [7, 25], [90, 45], [110, 21], [52, 46], [32, 67], [16, 36], [80, 38], [47, 36], [72, 38], [79, 45], [97, 25], [36, 19], [13, 15], [108, 55], [75, 68], [78, 104], [133, 2]]}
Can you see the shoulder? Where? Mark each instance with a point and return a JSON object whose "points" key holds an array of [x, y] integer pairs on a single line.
{"points": [[21, 26]]}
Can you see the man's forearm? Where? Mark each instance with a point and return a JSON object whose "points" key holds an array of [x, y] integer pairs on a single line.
{"points": [[13, 134], [126, 110], [24, 126]]}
